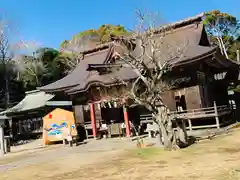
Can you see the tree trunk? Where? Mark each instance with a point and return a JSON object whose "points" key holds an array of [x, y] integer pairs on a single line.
{"points": [[166, 129], [182, 133], [7, 98], [6, 85], [159, 136]]}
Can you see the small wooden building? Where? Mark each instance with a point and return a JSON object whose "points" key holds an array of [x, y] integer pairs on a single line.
{"points": [[25, 119], [200, 64]]}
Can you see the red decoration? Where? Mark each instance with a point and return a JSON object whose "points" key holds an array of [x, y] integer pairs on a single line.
{"points": [[50, 116]]}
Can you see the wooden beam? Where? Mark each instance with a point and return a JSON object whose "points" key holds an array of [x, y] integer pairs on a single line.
{"points": [[58, 103], [203, 127]]}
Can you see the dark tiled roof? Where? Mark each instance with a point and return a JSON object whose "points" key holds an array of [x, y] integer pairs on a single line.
{"points": [[116, 77], [79, 74], [186, 38]]}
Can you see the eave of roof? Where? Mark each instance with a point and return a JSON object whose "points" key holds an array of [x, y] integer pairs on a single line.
{"points": [[79, 74], [32, 101], [127, 74], [118, 77]]}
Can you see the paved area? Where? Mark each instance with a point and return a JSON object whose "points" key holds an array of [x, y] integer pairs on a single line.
{"points": [[31, 154]]}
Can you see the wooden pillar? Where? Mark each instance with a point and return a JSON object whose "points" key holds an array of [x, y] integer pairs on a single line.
{"points": [[2, 149], [128, 128], [216, 115], [93, 120]]}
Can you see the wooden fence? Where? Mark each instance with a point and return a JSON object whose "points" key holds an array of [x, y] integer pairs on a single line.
{"points": [[201, 113]]}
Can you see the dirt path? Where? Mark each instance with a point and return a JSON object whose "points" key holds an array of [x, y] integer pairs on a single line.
{"points": [[217, 159]]}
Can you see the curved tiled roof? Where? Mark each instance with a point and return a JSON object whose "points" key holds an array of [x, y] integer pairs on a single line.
{"points": [[79, 74], [115, 77]]}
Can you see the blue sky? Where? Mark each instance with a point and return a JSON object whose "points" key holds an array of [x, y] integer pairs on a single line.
{"points": [[49, 22]]}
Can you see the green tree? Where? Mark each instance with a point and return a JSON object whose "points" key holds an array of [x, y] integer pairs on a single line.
{"points": [[234, 48], [41, 69], [11, 90], [92, 37], [5, 59], [223, 28], [70, 49], [31, 72]]}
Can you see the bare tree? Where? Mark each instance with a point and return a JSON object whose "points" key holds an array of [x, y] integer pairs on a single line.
{"points": [[31, 71], [70, 56], [5, 57], [7, 52], [151, 60], [71, 52]]}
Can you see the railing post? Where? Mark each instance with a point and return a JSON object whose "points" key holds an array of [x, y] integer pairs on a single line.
{"points": [[184, 130], [216, 115], [190, 124]]}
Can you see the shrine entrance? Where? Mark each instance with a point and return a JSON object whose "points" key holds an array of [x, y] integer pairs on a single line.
{"points": [[121, 121], [112, 115]]}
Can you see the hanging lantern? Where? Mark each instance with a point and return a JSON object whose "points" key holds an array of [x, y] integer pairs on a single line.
{"points": [[50, 116]]}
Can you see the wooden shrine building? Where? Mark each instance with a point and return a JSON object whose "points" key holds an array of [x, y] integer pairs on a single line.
{"points": [[25, 118], [200, 65]]}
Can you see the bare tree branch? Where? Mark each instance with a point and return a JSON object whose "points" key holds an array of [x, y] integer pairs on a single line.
{"points": [[151, 61]]}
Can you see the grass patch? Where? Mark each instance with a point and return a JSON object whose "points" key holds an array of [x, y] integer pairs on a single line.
{"points": [[146, 153]]}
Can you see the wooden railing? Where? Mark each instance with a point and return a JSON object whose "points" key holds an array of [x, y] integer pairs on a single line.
{"points": [[202, 112], [146, 118], [214, 112]]}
